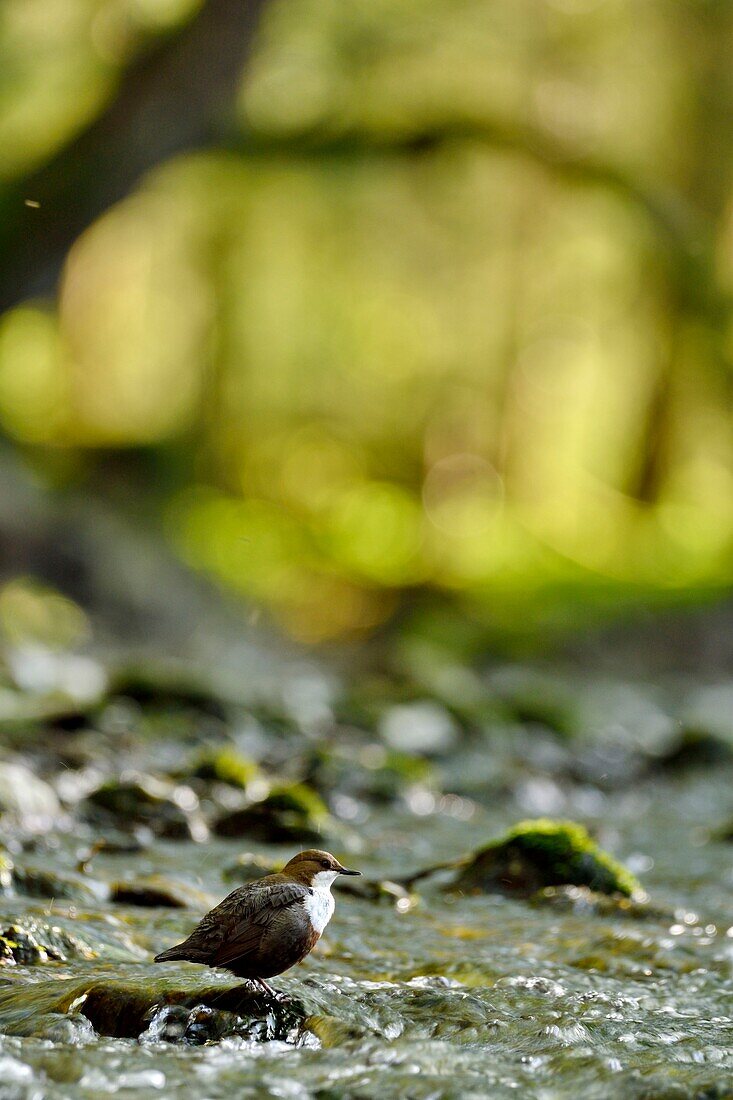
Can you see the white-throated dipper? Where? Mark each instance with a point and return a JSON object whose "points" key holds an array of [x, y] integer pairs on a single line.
{"points": [[269, 925]]}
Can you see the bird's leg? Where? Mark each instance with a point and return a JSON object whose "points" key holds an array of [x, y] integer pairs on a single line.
{"points": [[274, 993]]}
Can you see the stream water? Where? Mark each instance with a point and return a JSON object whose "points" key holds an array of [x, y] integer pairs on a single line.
{"points": [[447, 996]]}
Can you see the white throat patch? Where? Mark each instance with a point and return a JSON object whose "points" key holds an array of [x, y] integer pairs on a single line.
{"points": [[319, 904]]}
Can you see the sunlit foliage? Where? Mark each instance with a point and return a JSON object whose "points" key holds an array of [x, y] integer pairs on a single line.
{"points": [[453, 313]]}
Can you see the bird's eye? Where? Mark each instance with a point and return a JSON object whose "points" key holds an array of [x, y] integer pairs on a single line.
{"points": [[325, 863]]}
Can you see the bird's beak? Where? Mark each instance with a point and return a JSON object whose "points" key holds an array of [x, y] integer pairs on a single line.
{"points": [[346, 871]]}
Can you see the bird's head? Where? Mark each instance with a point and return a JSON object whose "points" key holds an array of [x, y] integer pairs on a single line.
{"points": [[316, 868]]}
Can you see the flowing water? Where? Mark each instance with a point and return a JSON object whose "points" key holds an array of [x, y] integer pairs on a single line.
{"points": [[449, 996]]}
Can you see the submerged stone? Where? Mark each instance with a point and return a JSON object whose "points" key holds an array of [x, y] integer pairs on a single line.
{"points": [[694, 749], [540, 853], [33, 942], [157, 1010], [168, 811], [291, 813], [38, 882], [247, 867], [380, 890], [154, 891]]}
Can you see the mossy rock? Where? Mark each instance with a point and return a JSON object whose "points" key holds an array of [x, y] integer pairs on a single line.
{"points": [[367, 770], [158, 891], [125, 1008], [694, 749], [169, 684], [37, 882], [169, 812], [247, 867], [540, 853], [379, 890], [31, 943], [724, 833], [532, 696], [225, 765], [292, 813]]}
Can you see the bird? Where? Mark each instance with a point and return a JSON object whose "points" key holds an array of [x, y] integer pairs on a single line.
{"points": [[264, 927]]}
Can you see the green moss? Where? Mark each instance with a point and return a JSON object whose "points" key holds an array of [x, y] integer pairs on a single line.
{"points": [[145, 801], [296, 798], [289, 813], [226, 766], [540, 853]]}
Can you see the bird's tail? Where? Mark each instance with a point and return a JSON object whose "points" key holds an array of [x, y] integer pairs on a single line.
{"points": [[180, 951]]}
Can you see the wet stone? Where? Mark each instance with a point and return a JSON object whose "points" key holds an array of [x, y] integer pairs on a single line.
{"points": [[380, 890], [168, 811], [540, 853], [247, 867], [226, 765], [32, 943], [292, 813], [694, 749], [153, 891], [153, 1010], [38, 882]]}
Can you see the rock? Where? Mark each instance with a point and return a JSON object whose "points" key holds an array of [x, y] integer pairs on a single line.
{"points": [[540, 853], [226, 766], [136, 1007], [159, 891], [248, 867], [694, 749], [293, 813], [380, 890], [168, 811], [534, 695], [37, 882], [367, 770], [579, 899], [27, 798], [34, 942], [171, 684]]}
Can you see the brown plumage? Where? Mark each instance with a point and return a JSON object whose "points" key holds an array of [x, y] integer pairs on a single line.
{"points": [[266, 926]]}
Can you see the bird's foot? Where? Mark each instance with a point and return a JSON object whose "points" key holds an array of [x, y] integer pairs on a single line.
{"points": [[276, 995]]}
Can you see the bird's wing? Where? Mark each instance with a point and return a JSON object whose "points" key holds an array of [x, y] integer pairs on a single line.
{"points": [[251, 914]]}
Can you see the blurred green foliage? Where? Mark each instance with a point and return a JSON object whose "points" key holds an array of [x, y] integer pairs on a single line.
{"points": [[451, 309]]}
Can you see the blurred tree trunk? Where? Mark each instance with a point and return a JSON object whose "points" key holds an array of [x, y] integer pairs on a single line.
{"points": [[705, 32], [178, 96]]}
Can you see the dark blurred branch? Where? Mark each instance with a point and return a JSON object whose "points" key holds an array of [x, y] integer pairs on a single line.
{"points": [[670, 214], [177, 96]]}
